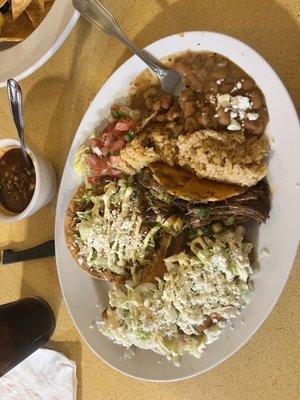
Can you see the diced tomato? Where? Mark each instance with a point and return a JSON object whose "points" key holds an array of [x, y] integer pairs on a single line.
{"points": [[105, 151], [115, 159], [101, 167], [92, 159], [110, 127], [118, 144], [95, 142], [108, 132], [111, 141], [122, 126], [92, 180], [113, 172], [130, 122], [97, 164], [106, 141]]}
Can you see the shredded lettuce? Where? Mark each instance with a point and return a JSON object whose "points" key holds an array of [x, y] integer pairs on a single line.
{"points": [[227, 252], [173, 225], [79, 163], [111, 233], [167, 316]]}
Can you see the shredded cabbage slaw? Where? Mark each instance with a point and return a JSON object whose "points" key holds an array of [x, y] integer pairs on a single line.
{"points": [[210, 282], [111, 235]]}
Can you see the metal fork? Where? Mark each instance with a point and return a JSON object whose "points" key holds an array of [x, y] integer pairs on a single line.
{"points": [[97, 14]]}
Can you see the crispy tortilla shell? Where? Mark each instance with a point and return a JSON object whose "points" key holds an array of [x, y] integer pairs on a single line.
{"points": [[71, 235], [187, 186]]}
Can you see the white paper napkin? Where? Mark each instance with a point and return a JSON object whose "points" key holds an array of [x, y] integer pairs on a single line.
{"points": [[45, 375]]}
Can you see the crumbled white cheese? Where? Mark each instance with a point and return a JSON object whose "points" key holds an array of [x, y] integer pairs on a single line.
{"points": [[234, 125], [219, 81], [128, 354], [212, 99], [242, 114], [240, 103], [224, 100], [80, 260], [264, 253], [252, 116], [236, 87], [214, 332], [92, 325], [110, 235], [167, 317], [237, 105]]}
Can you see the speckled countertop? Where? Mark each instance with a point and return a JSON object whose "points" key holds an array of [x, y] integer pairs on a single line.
{"points": [[56, 98]]}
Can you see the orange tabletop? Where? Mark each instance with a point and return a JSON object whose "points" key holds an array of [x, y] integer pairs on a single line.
{"points": [[56, 98]]}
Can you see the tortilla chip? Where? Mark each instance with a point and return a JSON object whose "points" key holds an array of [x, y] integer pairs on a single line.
{"points": [[2, 21], [15, 31], [36, 13], [41, 3], [48, 4], [18, 7], [2, 2], [188, 186]]}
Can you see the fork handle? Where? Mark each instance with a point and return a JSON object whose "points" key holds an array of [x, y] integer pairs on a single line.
{"points": [[101, 18]]}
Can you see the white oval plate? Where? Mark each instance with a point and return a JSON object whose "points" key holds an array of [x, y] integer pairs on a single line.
{"points": [[21, 60], [280, 235]]}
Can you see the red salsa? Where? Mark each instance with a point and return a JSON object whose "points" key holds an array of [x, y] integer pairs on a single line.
{"points": [[17, 181]]}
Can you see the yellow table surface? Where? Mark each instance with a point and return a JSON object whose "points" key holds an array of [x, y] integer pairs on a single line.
{"points": [[56, 98]]}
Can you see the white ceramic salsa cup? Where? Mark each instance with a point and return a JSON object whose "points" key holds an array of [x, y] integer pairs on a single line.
{"points": [[45, 184]]}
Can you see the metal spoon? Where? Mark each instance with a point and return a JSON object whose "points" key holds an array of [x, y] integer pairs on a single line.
{"points": [[97, 14], [16, 107]]}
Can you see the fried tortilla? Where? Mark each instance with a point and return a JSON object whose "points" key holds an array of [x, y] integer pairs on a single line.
{"points": [[71, 235], [12, 32], [18, 7], [42, 3], [157, 268], [2, 21], [187, 186], [37, 11], [22, 18]]}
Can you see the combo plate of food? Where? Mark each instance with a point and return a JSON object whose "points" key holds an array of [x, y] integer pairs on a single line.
{"points": [[177, 218]]}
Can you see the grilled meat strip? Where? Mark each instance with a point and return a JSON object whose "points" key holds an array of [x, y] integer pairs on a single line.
{"points": [[254, 204], [251, 205]]}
